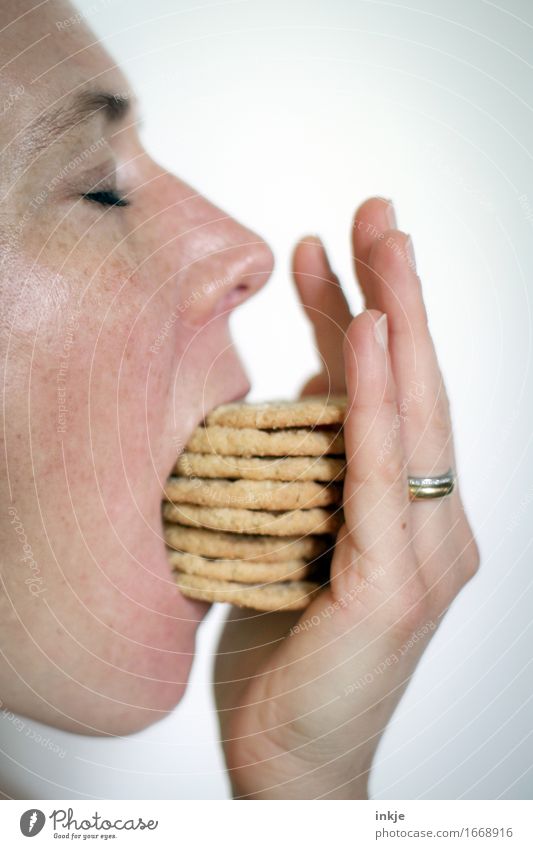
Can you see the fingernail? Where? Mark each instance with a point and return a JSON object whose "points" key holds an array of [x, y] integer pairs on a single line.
{"points": [[381, 331], [410, 251], [390, 215], [313, 239]]}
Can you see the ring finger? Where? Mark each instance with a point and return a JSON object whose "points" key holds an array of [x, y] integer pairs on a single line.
{"points": [[440, 530]]}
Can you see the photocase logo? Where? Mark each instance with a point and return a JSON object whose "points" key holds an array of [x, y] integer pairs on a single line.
{"points": [[32, 822], [65, 824]]}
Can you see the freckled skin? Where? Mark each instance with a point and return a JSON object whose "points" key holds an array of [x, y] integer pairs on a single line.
{"points": [[103, 644], [122, 312]]}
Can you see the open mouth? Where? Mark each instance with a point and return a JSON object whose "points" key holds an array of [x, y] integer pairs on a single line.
{"points": [[240, 395], [200, 608]]}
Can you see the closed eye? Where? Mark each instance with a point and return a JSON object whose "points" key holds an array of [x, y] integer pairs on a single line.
{"points": [[106, 197]]}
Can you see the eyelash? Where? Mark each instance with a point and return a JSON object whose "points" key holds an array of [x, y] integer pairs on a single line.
{"points": [[106, 197]]}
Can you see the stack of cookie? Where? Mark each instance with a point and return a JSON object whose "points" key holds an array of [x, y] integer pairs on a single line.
{"points": [[255, 501]]}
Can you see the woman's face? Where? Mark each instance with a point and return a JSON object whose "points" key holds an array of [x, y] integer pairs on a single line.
{"points": [[117, 283]]}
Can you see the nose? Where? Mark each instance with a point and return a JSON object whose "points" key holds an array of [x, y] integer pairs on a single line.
{"points": [[220, 263]]}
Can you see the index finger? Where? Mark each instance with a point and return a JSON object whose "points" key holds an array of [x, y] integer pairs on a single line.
{"points": [[325, 306], [371, 220]]}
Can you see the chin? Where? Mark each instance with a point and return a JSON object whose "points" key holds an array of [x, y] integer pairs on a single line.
{"points": [[144, 672], [163, 668], [158, 681], [163, 702]]}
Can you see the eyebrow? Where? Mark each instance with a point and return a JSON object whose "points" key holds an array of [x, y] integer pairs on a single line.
{"points": [[52, 126]]}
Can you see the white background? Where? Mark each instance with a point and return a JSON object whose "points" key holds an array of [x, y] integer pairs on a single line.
{"points": [[287, 114]]}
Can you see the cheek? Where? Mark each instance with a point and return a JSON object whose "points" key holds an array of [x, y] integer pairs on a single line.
{"points": [[118, 382], [79, 370], [90, 420]]}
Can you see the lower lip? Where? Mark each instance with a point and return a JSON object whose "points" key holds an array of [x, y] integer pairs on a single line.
{"points": [[195, 611]]}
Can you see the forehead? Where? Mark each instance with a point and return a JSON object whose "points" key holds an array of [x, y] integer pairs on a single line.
{"points": [[47, 53]]}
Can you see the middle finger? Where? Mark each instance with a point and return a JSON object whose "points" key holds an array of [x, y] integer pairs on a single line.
{"points": [[423, 408]]}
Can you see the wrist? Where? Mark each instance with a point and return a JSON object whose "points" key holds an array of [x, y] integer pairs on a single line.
{"points": [[288, 776], [301, 788]]}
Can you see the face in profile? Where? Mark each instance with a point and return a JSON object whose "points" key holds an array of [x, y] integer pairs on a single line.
{"points": [[117, 282]]}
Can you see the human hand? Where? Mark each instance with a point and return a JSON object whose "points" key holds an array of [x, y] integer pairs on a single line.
{"points": [[304, 701]]}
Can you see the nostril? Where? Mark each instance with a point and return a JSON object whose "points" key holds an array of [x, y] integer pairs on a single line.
{"points": [[238, 295]]}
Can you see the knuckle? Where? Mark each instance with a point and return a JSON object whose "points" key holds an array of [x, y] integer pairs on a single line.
{"points": [[334, 278], [387, 474], [411, 610], [470, 560], [440, 420], [392, 470], [434, 416]]}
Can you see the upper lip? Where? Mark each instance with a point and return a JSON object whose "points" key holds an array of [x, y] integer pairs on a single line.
{"points": [[238, 396]]}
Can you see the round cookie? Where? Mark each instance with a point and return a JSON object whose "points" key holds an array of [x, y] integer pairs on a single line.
{"points": [[250, 442], [238, 570], [317, 520], [294, 595], [260, 468], [253, 495], [218, 544], [310, 411]]}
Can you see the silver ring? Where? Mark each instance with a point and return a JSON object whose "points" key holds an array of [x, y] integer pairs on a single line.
{"points": [[420, 488]]}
